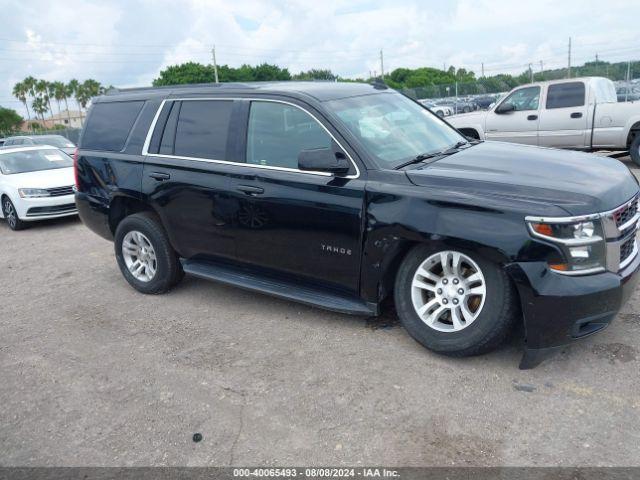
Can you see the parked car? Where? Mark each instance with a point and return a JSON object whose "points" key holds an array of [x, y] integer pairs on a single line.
{"points": [[485, 101], [36, 183], [458, 106], [440, 110], [58, 141], [577, 113], [341, 195]]}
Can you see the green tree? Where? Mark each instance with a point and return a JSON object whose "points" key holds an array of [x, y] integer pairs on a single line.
{"points": [[20, 91], [190, 72], [315, 74], [10, 121], [39, 106]]}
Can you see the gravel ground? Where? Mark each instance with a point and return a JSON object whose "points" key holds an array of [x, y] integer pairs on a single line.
{"points": [[93, 373]]}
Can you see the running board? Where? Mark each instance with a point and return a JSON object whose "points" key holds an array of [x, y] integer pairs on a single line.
{"points": [[280, 288]]}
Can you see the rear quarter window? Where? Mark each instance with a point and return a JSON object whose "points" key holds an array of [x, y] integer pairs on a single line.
{"points": [[202, 128], [109, 125]]}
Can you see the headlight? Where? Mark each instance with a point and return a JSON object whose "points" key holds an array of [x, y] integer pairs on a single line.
{"points": [[32, 192], [581, 242]]}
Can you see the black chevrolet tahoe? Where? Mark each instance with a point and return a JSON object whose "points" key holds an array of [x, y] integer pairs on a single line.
{"points": [[341, 195]]}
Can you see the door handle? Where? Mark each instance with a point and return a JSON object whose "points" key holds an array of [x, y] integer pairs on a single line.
{"points": [[160, 176], [250, 190], [532, 117], [576, 115]]}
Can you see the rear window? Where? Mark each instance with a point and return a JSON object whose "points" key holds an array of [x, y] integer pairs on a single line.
{"points": [[53, 140], [564, 95], [202, 128], [109, 125]]}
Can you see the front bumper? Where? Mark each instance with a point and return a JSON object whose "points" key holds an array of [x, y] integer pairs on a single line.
{"points": [[32, 209], [559, 309]]}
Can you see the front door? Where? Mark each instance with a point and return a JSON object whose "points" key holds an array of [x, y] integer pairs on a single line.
{"points": [[304, 224], [519, 125]]}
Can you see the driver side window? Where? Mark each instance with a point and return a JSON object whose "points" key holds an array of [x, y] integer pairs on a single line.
{"points": [[524, 99]]}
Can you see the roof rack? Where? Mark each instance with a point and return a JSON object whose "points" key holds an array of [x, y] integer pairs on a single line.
{"points": [[115, 90]]}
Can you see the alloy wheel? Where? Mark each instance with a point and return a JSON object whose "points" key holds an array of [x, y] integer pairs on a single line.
{"points": [[139, 256], [448, 291], [10, 213]]}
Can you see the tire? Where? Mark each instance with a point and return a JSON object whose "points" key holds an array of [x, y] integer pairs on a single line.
{"points": [[440, 113], [496, 313], [466, 109], [162, 269], [634, 149], [11, 215]]}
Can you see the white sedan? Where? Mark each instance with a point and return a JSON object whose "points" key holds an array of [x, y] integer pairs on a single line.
{"points": [[36, 183], [440, 110]]}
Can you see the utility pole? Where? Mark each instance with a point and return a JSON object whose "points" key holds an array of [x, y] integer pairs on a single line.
{"points": [[541, 70], [531, 73], [381, 65], [215, 66], [569, 60], [596, 63], [483, 69]]}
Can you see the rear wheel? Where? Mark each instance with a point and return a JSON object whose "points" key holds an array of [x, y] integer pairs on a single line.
{"points": [[634, 150], [11, 215], [454, 302], [145, 256]]}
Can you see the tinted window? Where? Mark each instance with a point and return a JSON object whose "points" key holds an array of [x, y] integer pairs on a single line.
{"points": [[33, 161], [202, 128], [109, 125], [565, 95], [524, 99], [169, 133], [278, 133]]}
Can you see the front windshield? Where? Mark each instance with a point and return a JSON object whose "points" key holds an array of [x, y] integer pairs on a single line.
{"points": [[393, 128], [54, 141], [33, 161]]}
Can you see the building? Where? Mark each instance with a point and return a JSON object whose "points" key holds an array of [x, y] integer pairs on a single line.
{"points": [[66, 118]]}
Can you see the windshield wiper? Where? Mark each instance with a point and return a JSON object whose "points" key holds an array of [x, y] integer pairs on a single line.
{"points": [[426, 156]]}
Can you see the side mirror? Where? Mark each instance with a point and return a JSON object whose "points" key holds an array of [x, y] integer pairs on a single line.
{"points": [[323, 160], [506, 107]]}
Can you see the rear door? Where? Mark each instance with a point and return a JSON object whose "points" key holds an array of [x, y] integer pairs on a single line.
{"points": [[519, 125], [185, 176], [305, 224], [563, 120]]}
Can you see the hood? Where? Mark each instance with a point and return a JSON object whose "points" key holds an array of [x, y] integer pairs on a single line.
{"points": [[576, 182], [480, 114], [58, 177]]}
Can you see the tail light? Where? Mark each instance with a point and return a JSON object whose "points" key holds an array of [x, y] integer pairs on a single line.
{"points": [[75, 169]]}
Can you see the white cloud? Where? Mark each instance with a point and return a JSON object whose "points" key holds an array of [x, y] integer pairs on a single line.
{"points": [[128, 42]]}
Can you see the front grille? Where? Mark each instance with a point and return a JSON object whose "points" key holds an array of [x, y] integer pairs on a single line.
{"points": [[55, 210], [60, 191], [626, 212], [626, 249]]}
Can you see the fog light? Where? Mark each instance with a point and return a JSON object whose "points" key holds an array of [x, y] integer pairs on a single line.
{"points": [[580, 252]]}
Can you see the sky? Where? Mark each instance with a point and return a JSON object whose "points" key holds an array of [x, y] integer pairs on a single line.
{"points": [[127, 42]]}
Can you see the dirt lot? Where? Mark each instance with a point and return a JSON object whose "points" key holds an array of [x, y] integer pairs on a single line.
{"points": [[93, 373]]}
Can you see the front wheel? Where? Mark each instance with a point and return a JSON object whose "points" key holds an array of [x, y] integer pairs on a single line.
{"points": [[145, 256], [454, 302], [11, 215], [634, 150]]}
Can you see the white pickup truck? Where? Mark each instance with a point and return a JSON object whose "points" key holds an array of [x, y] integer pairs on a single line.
{"points": [[577, 113]]}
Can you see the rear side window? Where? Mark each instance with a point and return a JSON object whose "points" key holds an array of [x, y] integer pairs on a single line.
{"points": [[109, 125], [202, 129], [564, 95]]}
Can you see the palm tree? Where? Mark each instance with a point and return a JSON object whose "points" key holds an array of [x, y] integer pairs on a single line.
{"points": [[39, 105], [59, 93], [74, 90], [42, 89], [30, 85], [20, 91]]}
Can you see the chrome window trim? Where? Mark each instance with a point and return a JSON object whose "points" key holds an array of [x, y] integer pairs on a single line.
{"points": [[147, 141]]}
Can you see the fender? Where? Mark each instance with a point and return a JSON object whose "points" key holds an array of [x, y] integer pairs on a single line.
{"points": [[632, 122]]}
